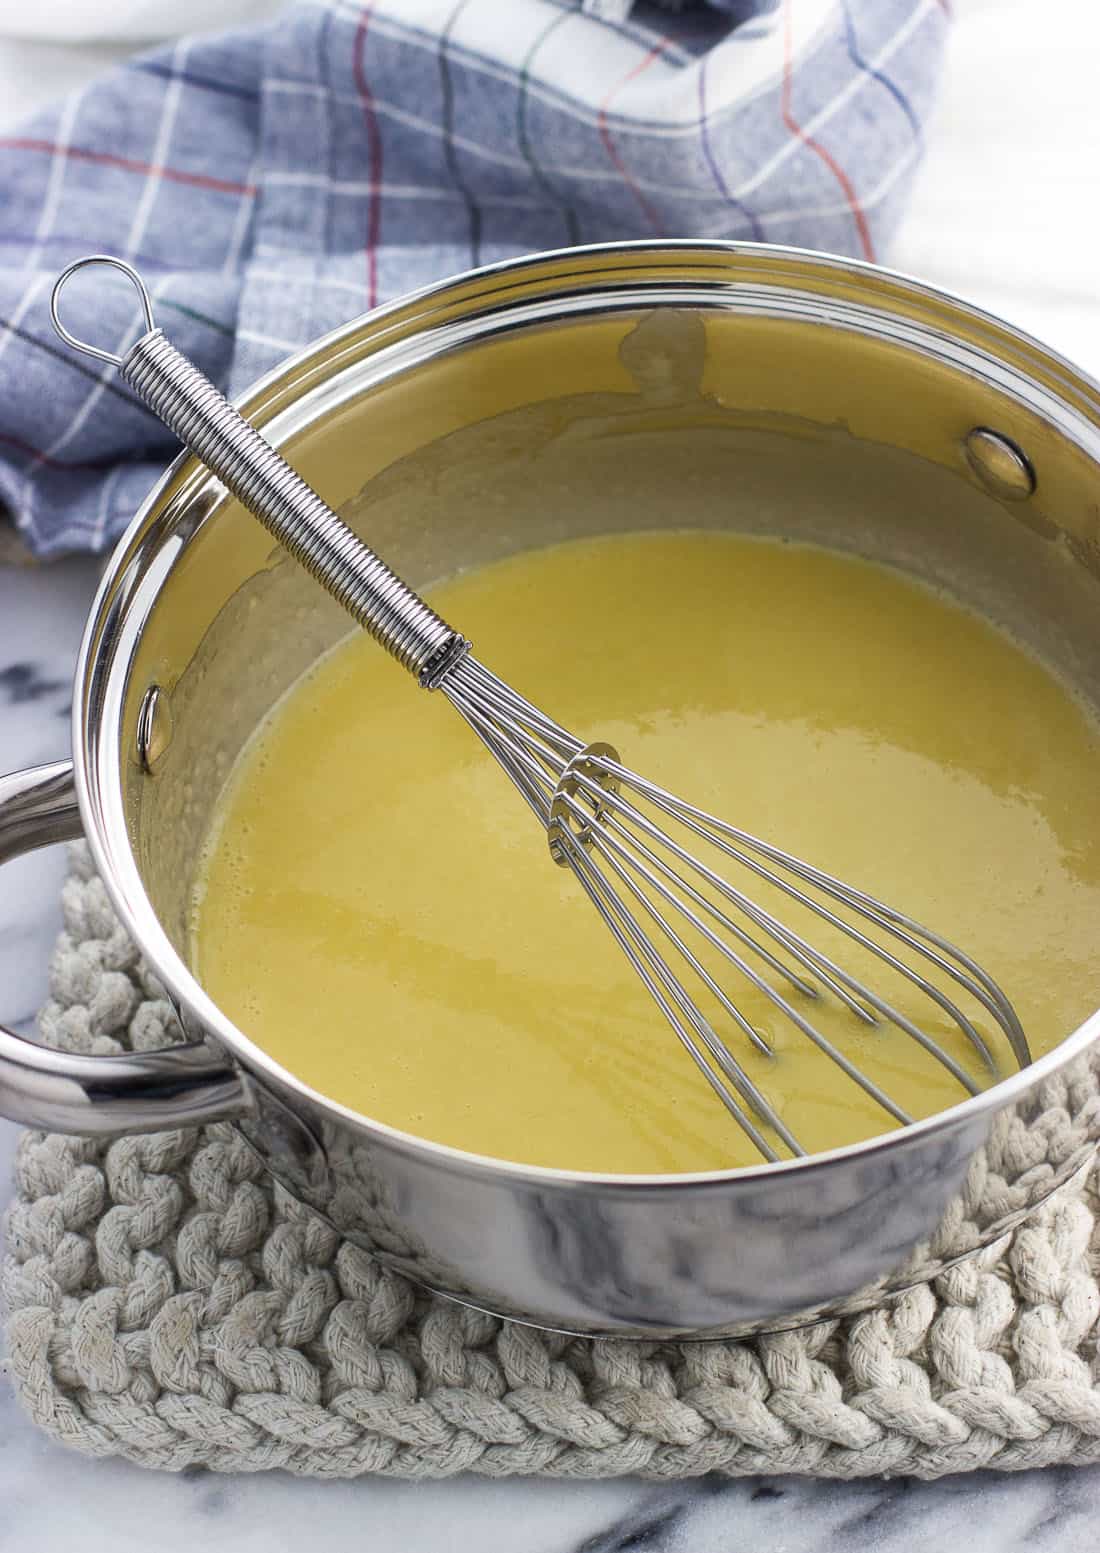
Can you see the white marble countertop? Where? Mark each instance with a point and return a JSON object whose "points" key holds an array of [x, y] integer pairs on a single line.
{"points": [[1006, 212]]}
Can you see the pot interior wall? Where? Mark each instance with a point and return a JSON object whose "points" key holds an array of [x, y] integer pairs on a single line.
{"points": [[662, 418]]}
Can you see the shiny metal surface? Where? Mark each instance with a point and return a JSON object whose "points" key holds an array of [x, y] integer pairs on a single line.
{"points": [[37, 808], [154, 727], [840, 398], [1000, 465], [624, 861], [123, 269], [64, 1092]]}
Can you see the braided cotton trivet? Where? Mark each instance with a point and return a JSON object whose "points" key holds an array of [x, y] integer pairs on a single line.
{"points": [[167, 1304]]}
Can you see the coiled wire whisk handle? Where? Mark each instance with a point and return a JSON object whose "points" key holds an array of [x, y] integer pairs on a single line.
{"points": [[261, 479]]}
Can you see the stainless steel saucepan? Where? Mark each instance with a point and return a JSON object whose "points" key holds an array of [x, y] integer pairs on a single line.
{"points": [[631, 386]]}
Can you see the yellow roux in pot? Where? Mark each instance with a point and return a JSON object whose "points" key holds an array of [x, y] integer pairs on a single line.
{"points": [[378, 908]]}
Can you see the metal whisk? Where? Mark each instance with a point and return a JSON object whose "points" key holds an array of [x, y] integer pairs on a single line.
{"points": [[639, 853]]}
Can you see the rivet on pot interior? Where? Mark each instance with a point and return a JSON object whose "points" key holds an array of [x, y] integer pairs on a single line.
{"points": [[1002, 467], [154, 727]]}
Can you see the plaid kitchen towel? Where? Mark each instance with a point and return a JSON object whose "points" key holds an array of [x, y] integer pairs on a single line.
{"points": [[274, 182]]}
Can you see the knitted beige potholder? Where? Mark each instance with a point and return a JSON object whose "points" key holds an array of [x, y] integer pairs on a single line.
{"points": [[167, 1304]]}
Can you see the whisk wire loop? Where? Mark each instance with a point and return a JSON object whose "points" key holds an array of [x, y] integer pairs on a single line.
{"points": [[815, 960]]}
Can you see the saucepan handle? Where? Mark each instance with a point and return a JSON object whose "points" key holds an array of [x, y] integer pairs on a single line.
{"points": [[182, 1086]]}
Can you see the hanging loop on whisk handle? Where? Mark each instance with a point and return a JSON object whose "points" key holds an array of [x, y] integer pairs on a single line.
{"points": [[261, 479]]}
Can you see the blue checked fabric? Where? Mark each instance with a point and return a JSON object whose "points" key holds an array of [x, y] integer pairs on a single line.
{"points": [[275, 182]]}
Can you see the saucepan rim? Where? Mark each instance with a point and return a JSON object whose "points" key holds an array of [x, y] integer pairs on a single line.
{"points": [[104, 830]]}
